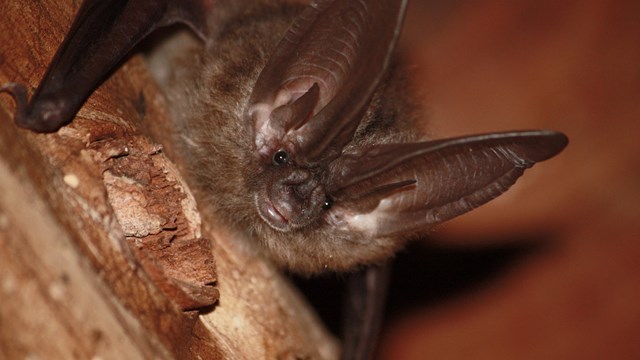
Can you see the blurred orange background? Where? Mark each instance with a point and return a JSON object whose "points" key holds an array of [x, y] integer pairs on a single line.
{"points": [[572, 66]]}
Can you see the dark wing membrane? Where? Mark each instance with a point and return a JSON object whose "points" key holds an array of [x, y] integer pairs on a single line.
{"points": [[364, 309], [102, 34], [404, 188]]}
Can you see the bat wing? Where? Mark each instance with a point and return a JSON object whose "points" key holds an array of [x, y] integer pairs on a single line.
{"points": [[396, 189], [366, 295], [102, 34]]}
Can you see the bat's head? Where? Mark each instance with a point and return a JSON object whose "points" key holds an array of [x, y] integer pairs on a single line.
{"points": [[326, 197]]}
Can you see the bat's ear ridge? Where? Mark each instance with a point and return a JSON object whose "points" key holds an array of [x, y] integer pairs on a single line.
{"points": [[452, 177], [294, 115], [343, 47]]}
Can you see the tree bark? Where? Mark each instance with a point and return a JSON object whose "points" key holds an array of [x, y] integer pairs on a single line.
{"points": [[102, 247]]}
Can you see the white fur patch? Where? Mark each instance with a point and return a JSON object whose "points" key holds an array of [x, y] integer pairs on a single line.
{"points": [[368, 223]]}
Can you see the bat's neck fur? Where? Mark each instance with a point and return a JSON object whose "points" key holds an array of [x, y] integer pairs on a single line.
{"points": [[208, 91]]}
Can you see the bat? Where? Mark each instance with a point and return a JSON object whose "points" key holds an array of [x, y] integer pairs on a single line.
{"points": [[297, 128]]}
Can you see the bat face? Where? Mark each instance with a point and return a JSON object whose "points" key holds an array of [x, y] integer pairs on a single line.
{"points": [[292, 196]]}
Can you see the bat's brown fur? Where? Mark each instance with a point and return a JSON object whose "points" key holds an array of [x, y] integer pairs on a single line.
{"points": [[208, 92]]}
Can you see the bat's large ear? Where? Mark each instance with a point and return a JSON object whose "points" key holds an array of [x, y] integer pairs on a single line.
{"points": [[102, 34], [312, 93], [396, 189]]}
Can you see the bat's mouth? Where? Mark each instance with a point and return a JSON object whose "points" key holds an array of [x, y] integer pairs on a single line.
{"points": [[270, 214]]}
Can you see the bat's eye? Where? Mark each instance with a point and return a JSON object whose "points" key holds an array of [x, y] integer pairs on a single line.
{"points": [[328, 202], [280, 157]]}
